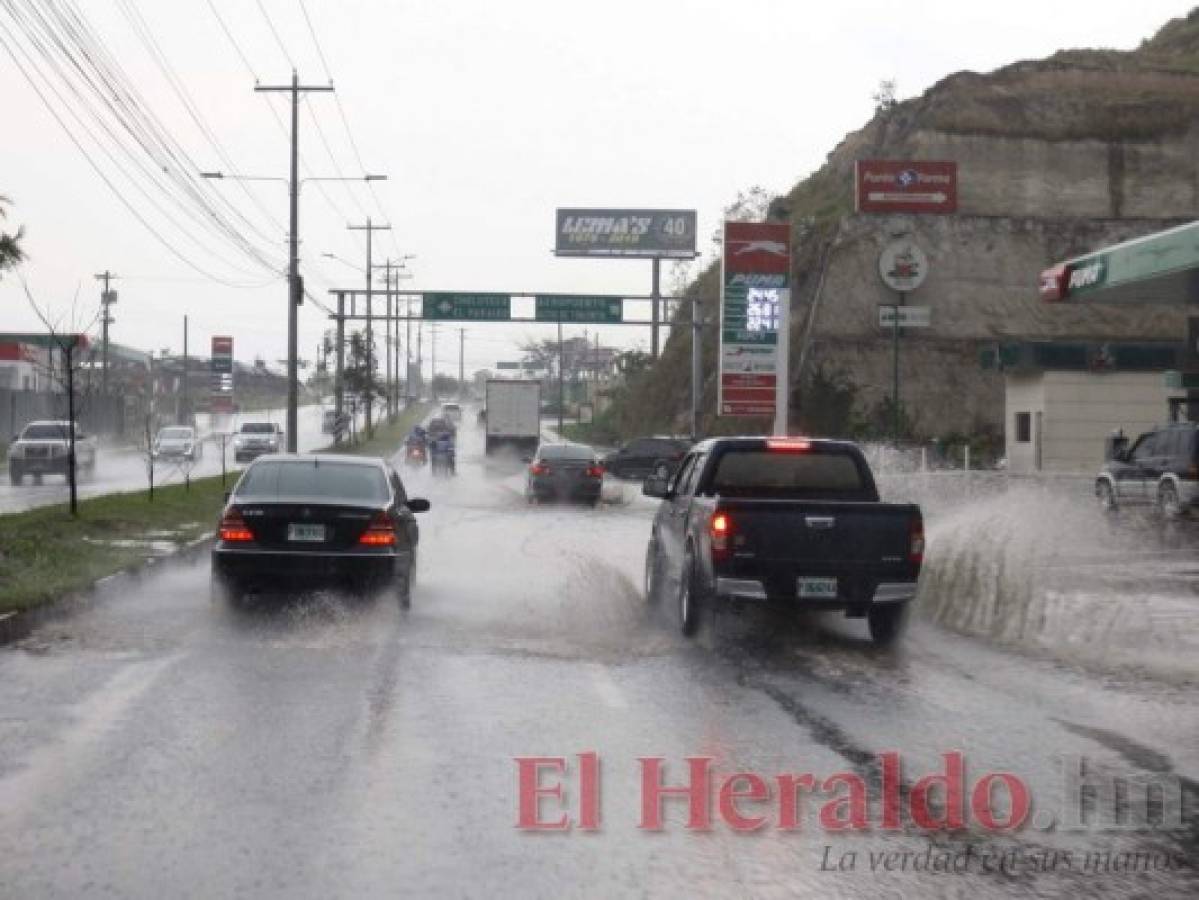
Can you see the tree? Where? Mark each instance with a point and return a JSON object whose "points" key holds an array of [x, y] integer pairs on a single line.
{"points": [[10, 244], [884, 96]]}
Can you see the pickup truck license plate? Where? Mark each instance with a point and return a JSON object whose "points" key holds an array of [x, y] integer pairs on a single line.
{"points": [[817, 588], [305, 532]]}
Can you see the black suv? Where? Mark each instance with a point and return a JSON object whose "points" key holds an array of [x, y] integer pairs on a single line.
{"points": [[639, 458], [1161, 468]]}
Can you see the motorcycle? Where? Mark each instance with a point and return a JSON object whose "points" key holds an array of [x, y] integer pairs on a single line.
{"points": [[443, 463], [416, 456]]}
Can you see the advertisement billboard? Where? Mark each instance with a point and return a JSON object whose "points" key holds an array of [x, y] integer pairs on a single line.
{"points": [[755, 281], [635, 233], [905, 186]]}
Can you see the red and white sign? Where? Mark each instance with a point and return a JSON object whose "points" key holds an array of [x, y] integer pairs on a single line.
{"points": [[905, 186], [1053, 283], [757, 248], [222, 346]]}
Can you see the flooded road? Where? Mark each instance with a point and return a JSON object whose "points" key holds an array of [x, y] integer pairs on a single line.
{"points": [[159, 745]]}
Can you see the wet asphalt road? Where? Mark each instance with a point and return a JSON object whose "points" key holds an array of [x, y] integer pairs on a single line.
{"points": [[123, 469], [157, 745]]}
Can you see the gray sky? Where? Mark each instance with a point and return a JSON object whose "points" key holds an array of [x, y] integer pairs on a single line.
{"points": [[486, 116]]}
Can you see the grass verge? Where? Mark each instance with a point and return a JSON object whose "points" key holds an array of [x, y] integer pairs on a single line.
{"points": [[388, 436], [45, 554]]}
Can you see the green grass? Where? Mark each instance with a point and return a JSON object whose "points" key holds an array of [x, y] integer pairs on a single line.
{"points": [[44, 553]]}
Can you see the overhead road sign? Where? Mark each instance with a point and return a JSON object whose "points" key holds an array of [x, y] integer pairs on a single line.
{"points": [[467, 307], [635, 233], [579, 308], [909, 316], [905, 186], [755, 274]]}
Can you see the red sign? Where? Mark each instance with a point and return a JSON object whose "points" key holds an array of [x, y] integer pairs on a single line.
{"points": [[905, 186], [757, 248], [1053, 282], [222, 346]]}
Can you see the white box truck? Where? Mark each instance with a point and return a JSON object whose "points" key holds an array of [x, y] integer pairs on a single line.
{"points": [[513, 415]]}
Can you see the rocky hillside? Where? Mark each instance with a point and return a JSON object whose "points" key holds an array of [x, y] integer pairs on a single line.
{"points": [[1055, 157]]}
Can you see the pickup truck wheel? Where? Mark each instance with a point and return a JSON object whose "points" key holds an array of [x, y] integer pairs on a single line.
{"points": [[15, 475], [653, 574], [690, 601], [886, 622], [1168, 502], [1107, 497]]}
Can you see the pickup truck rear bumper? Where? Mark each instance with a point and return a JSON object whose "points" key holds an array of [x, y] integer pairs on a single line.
{"points": [[754, 589]]}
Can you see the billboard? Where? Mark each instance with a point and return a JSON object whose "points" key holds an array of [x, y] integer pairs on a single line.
{"points": [[905, 186], [630, 233], [755, 280]]}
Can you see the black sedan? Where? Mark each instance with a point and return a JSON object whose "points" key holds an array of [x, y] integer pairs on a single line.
{"points": [[643, 457], [299, 520], [564, 472]]}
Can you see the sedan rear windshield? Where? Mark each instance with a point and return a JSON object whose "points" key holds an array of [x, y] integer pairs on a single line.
{"points": [[258, 428], [567, 451], [175, 434], [336, 481], [45, 433], [773, 473]]}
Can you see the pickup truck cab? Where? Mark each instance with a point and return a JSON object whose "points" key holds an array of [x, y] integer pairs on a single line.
{"points": [[792, 522], [44, 448]]}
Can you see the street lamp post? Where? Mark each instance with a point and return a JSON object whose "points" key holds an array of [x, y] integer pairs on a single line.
{"points": [[295, 291]]}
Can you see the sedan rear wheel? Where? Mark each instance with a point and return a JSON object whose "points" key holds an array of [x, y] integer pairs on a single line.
{"points": [[1107, 497], [1167, 500]]}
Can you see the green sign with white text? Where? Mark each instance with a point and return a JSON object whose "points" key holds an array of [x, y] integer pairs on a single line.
{"points": [[467, 307], [579, 308]]}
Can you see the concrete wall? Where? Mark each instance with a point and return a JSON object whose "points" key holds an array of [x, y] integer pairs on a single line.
{"points": [[1080, 410]]}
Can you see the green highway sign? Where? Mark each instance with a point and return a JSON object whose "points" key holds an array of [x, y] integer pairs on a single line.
{"points": [[579, 309], [467, 307]]}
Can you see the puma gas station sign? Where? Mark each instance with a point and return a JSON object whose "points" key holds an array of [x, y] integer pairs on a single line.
{"points": [[755, 277], [905, 186]]}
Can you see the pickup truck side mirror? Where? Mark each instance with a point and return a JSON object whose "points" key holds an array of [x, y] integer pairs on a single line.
{"points": [[657, 486]]}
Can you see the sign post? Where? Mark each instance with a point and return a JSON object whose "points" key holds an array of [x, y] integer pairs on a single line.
{"points": [[755, 277], [903, 267]]}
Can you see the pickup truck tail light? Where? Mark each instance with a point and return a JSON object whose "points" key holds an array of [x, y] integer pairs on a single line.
{"points": [[379, 533], [916, 540], [233, 528], [788, 445], [595, 471], [720, 530]]}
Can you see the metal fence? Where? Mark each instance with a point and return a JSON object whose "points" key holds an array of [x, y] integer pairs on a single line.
{"points": [[100, 415]]}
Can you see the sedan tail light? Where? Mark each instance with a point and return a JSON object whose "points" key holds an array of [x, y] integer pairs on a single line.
{"points": [[720, 529], [916, 540], [233, 528], [595, 471], [380, 532], [539, 469]]}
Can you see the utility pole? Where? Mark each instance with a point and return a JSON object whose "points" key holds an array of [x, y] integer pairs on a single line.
{"points": [[107, 298], [295, 288], [461, 359], [655, 303], [338, 389], [185, 405], [697, 388], [433, 363], [420, 353], [370, 229], [561, 380], [408, 350]]}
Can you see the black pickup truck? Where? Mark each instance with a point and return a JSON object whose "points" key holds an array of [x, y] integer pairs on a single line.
{"points": [[786, 521]]}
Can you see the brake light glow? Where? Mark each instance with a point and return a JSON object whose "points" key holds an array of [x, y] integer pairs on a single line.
{"points": [[595, 471], [916, 540], [233, 528], [539, 469], [788, 445], [720, 527], [379, 533]]}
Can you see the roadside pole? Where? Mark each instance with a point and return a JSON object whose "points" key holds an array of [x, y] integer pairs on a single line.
{"points": [[655, 302], [338, 372], [902, 266], [561, 378], [782, 389], [895, 370], [697, 324]]}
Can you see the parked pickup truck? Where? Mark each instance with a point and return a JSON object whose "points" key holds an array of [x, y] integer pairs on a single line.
{"points": [[44, 448], [786, 521]]}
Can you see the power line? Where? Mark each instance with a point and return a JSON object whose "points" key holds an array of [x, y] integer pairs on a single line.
{"points": [[278, 40]]}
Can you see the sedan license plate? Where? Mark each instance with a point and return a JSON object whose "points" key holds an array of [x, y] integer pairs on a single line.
{"points": [[817, 588], [306, 532]]}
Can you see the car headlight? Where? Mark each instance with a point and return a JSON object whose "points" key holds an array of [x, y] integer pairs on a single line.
{"points": [[238, 441]]}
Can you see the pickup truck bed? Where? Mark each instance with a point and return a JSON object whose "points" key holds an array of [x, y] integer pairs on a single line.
{"points": [[793, 523]]}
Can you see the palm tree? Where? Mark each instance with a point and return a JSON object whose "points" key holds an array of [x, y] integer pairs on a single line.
{"points": [[10, 244]]}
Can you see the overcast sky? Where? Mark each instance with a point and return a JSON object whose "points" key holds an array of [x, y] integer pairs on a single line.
{"points": [[485, 116]]}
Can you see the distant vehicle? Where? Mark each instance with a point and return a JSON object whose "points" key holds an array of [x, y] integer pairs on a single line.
{"points": [[564, 472], [254, 439], [178, 443], [441, 425], [329, 421], [452, 411], [513, 415], [43, 448], [642, 457], [791, 522], [296, 520], [443, 455], [1161, 469]]}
